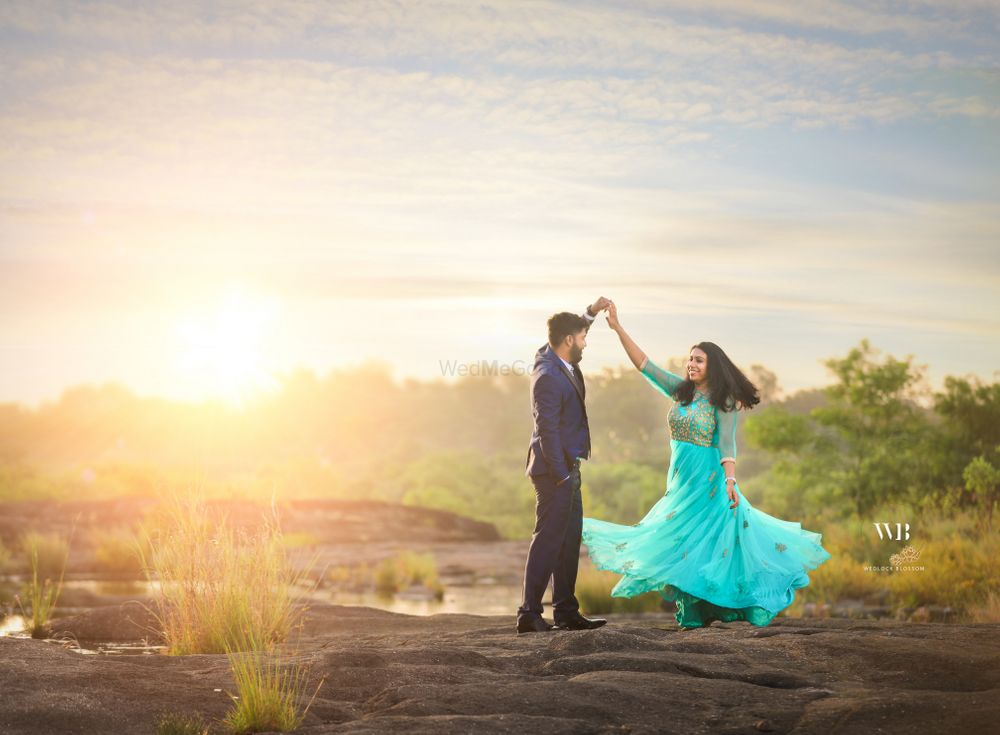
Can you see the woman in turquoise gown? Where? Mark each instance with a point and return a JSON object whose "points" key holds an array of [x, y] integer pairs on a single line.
{"points": [[703, 545]]}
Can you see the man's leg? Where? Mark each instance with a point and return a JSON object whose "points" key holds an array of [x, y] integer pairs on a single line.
{"points": [[552, 513], [564, 602]]}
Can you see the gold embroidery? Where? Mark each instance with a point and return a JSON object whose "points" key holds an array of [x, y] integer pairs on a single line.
{"points": [[780, 547], [622, 545], [724, 553], [628, 565], [745, 523], [712, 494], [712, 476], [671, 514], [694, 423]]}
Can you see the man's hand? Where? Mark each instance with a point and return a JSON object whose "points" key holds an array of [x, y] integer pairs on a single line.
{"points": [[598, 306]]}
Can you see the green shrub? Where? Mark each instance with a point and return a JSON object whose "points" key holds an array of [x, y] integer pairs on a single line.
{"points": [[386, 582], [406, 569]]}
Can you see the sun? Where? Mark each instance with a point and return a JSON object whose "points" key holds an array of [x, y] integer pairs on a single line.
{"points": [[223, 353]]}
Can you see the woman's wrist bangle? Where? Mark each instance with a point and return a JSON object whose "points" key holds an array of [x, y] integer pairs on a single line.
{"points": [[730, 478]]}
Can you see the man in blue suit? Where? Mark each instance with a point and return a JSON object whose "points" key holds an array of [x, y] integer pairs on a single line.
{"points": [[559, 442]]}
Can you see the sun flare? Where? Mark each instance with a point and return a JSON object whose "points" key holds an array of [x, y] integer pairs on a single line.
{"points": [[224, 353]]}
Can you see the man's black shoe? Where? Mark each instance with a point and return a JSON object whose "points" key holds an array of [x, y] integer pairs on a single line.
{"points": [[532, 625], [578, 622]]}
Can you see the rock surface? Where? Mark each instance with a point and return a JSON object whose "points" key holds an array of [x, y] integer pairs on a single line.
{"points": [[339, 522], [384, 672]]}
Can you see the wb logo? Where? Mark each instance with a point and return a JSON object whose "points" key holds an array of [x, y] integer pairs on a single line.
{"points": [[902, 531]]}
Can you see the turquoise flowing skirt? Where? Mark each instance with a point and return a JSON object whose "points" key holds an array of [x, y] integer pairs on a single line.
{"points": [[714, 562]]}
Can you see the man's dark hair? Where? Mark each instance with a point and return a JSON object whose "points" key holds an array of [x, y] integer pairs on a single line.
{"points": [[563, 324]]}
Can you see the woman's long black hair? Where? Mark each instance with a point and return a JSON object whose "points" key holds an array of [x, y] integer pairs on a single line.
{"points": [[726, 382]]}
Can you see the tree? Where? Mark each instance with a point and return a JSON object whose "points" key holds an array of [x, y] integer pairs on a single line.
{"points": [[982, 481], [970, 413], [858, 448]]}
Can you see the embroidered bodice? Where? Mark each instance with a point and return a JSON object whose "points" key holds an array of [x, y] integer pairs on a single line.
{"points": [[700, 422], [694, 423]]}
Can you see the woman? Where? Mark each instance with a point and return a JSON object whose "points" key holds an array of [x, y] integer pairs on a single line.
{"points": [[703, 545]]}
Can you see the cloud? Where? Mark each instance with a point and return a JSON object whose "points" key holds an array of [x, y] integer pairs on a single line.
{"points": [[562, 88], [454, 156]]}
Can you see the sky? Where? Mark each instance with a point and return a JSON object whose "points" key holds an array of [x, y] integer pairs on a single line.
{"points": [[196, 198]]}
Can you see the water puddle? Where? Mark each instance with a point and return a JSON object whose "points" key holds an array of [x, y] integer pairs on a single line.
{"points": [[92, 648], [474, 600], [13, 625]]}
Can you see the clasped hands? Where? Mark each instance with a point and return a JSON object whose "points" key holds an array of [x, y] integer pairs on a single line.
{"points": [[603, 303]]}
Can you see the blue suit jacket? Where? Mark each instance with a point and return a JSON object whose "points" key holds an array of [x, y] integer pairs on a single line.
{"points": [[561, 432]]}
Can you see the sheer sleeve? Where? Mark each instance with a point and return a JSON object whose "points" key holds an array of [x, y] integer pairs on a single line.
{"points": [[725, 433], [663, 380]]}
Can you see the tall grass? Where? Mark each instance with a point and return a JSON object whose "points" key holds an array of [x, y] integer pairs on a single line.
{"points": [[175, 724], [958, 563], [843, 577], [986, 610], [42, 593], [229, 590], [220, 588], [593, 591], [957, 571], [269, 690]]}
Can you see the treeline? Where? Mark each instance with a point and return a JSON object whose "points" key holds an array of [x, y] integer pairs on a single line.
{"points": [[877, 435], [884, 438]]}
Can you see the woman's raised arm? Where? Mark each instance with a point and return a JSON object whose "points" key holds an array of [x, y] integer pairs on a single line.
{"points": [[636, 355], [665, 381]]}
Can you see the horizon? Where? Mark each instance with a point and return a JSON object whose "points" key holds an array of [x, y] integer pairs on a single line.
{"points": [[448, 374]]}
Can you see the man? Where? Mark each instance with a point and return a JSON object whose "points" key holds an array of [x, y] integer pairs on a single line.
{"points": [[559, 441]]}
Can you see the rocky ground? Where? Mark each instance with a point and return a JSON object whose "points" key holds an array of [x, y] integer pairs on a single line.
{"points": [[383, 672], [345, 524]]}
